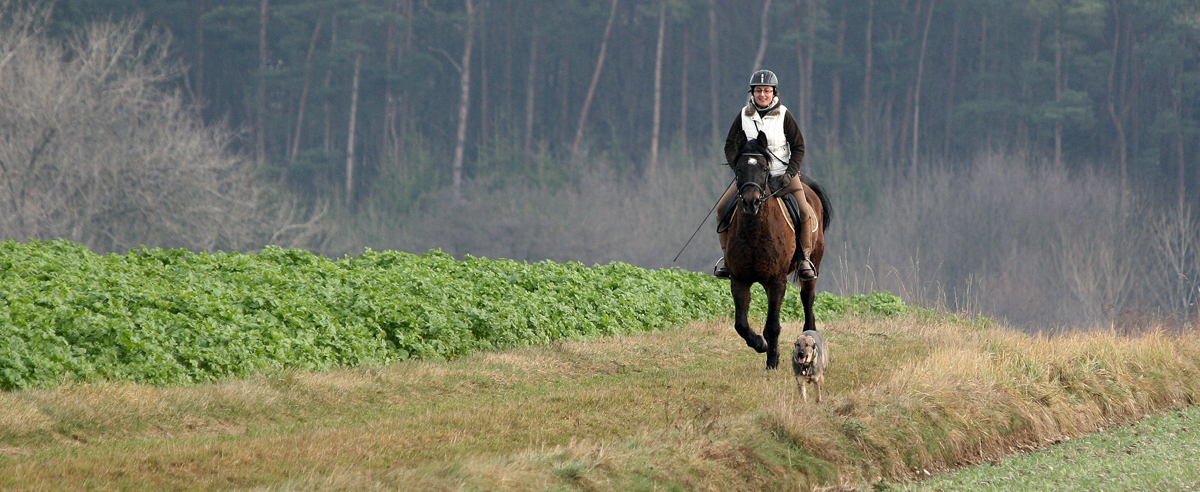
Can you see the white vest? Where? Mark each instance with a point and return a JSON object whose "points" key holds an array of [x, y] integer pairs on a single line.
{"points": [[772, 125]]}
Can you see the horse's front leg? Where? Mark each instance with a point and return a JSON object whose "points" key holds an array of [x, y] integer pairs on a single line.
{"points": [[775, 293], [808, 294], [741, 313]]}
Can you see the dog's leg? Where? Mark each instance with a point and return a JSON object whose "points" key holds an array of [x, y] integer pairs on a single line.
{"points": [[819, 381], [803, 391]]}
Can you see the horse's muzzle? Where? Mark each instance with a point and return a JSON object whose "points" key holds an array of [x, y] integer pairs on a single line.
{"points": [[752, 204]]}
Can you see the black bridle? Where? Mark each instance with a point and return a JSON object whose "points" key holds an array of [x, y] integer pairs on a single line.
{"points": [[763, 188]]}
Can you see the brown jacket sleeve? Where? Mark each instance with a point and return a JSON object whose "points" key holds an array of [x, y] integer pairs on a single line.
{"points": [[795, 140]]}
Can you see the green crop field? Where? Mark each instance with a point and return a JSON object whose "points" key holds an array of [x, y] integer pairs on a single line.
{"points": [[175, 317]]}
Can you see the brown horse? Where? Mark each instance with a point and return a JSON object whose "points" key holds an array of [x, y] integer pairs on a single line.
{"points": [[762, 248]]}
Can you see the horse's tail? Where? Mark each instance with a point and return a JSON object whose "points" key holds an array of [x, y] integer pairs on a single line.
{"points": [[824, 197]]}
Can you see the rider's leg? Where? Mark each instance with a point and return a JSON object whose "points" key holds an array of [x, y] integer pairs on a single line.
{"points": [[721, 205], [723, 237], [804, 230]]}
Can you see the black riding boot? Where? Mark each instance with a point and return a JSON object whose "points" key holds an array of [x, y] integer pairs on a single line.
{"points": [[806, 270]]}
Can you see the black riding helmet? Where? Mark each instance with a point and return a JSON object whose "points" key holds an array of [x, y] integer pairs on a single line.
{"points": [[763, 77]]}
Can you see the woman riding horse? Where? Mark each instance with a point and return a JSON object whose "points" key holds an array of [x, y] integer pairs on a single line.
{"points": [[764, 116]]}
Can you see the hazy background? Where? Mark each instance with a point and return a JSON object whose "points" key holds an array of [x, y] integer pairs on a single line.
{"points": [[1030, 160]]}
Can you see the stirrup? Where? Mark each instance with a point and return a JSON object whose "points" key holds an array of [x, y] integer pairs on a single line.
{"points": [[719, 269], [811, 268]]}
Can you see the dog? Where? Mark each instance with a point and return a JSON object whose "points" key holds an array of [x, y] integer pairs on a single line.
{"points": [[809, 359]]}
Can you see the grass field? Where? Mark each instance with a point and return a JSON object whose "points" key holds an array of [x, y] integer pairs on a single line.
{"points": [[1160, 453], [685, 409]]}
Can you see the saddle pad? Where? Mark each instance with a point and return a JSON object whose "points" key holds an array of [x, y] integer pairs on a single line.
{"points": [[789, 208], [787, 204]]}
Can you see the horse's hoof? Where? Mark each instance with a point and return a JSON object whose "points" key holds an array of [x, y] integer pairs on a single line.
{"points": [[758, 344], [772, 363]]}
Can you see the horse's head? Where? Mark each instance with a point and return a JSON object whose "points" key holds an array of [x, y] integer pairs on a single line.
{"points": [[752, 170]]}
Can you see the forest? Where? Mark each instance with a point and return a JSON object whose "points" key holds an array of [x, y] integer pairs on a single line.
{"points": [[1025, 159], [330, 87]]}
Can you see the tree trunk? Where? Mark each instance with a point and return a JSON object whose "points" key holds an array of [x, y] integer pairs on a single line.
{"points": [[712, 72], [948, 133], [762, 36], [916, 135], [563, 89], [804, 54], [464, 102], [867, 66], [484, 109], [1181, 175], [835, 93], [905, 137], [587, 101], [403, 110], [983, 37], [1024, 139], [350, 132], [806, 98], [683, 95], [509, 47], [530, 92], [1058, 88], [260, 145], [312, 47], [906, 121], [388, 139], [658, 56], [1118, 117], [889, 138], [198, 98], [327, 142]]}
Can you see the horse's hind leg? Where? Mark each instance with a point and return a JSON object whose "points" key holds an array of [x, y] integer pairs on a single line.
{"points": [[808, 295], [775, 293], [741, 323]]}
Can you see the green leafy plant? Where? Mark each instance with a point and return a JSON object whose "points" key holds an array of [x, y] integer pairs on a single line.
{"points": [[176, 317]]}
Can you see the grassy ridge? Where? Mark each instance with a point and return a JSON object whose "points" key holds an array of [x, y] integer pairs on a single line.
{"points": [[680, 409], [172, 316]]}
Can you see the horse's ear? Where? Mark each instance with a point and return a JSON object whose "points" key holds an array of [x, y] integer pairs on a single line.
{"points": [[762, 140]]}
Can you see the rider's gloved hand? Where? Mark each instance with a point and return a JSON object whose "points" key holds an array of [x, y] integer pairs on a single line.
{"points": [[778, 182]]}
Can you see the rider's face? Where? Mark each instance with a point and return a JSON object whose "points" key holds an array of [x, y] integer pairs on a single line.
{"points": [[763, 95]]}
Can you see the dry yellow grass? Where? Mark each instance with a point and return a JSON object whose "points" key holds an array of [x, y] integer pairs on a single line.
{"points": [[688, 408]]}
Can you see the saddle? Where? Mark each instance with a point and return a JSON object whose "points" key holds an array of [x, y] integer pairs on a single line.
{"points": [[789, 202]]}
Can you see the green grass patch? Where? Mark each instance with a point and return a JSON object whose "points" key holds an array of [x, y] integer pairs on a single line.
{"points": [[1161, 452], [176, 317]]}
